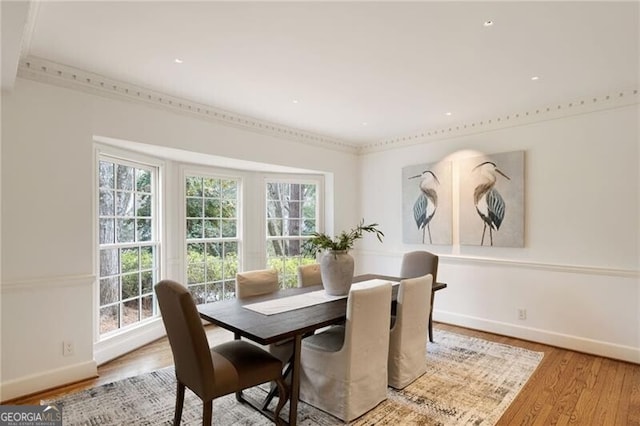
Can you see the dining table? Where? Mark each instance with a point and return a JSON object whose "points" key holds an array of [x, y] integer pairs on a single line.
{"points": [[245, 319]]}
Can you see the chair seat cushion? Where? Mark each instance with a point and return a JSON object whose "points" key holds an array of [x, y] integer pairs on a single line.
{"points": [[239, 365], [330, 340]]}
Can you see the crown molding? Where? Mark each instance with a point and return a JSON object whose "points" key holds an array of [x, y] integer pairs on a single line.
{"points": [[613, 100], [42, 70], [46, 71]]}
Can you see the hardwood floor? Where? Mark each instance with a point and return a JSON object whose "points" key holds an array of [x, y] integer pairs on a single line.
{"points": [[568, 388]]}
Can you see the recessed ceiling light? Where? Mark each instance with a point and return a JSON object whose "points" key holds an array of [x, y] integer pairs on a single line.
{"points": [[295, 101], [364, 123], [447, 113], [488, 23], [535, 77], [178, 61]]}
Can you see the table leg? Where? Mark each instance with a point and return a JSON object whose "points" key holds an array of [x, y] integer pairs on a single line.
{"points": [[295, 381], [433, 294], [236, 336]]}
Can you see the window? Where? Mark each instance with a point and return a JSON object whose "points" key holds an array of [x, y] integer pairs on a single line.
{"points": [[291, 216], [212, 237], [128, 243]]}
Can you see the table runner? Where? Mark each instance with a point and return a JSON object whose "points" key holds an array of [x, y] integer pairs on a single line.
{"points": [[291, 303]]}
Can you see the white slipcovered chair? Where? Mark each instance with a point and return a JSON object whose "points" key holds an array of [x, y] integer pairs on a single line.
{"points": [[256, 283], [344, 369], [309, 275], [408, 336]]}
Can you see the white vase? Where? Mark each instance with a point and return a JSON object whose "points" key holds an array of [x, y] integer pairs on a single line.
{"points": [[336, 270]]}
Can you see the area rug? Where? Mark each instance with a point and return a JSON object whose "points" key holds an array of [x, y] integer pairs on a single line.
{"points": [[468, 381]]}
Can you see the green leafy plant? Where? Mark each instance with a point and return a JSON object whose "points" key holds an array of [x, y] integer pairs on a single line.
{"points": [[342, 242]]}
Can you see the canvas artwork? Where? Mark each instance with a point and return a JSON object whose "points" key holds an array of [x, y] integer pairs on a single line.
{"points": [[426, 203], [492, 200]]}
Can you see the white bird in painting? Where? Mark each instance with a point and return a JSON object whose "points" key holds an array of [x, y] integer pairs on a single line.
{"points": [[425, 206], [489, 203]]}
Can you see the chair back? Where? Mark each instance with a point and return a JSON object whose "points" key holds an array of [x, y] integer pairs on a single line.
{"points": [[419, 263], [256, 283], [367, 329], [187, 338], [408, 336], [309, 275]]}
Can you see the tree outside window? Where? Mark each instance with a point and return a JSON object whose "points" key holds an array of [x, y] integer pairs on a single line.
{"points": [[291, 218]]}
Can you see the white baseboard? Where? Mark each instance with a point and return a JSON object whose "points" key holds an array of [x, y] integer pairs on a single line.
{"points": [[118, 345], [47, 380], [566, 341]]}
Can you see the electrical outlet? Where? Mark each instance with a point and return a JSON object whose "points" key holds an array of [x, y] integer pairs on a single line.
{"points": [[67, 348], [522, 314]]}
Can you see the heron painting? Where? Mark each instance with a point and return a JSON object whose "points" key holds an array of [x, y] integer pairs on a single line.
{"points": [[426, 193], [491, 200]]}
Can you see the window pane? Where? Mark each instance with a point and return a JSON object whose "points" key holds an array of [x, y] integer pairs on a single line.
{"points": [[194, 207], [211, 207], [229, 289], [143, 205], [107, 203], [274, 227], [211, 228], [194, 228], [106, 177], [143, 230], [109, 319], [308, 227], [146, 282], [212, 188], [143, 180], [125, 231], [107, 231], [146, 257], [229, 189], [195, 273], [131, 312], [109, 290], [109, 262], [199, 293], [193, 186], [124, 177], [215, 292], [228, 228], [129, 259], [130, 286], [147, 307]]}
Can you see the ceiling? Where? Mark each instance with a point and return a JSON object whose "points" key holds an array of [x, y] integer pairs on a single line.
{"points": [[358, 72]]}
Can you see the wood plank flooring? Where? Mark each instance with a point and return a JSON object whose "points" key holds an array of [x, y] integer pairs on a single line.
{"points": [[568, 388]]}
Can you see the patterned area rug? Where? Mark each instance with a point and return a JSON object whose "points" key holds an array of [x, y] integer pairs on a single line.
{"points": [[468, 381]]}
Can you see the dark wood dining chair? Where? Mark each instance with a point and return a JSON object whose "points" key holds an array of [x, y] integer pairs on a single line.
{"points": [[211, 372]]}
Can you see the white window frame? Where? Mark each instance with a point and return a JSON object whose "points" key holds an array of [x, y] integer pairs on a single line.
{"points": [[302, 179], [214, 173], [141, 161]]}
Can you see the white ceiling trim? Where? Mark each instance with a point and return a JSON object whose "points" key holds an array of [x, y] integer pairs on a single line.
{"points": [[50, 72], [585, 105], [42, 70]]}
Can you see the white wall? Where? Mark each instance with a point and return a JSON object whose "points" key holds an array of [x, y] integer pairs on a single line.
{"points": [[48, 218], [577, 275]]}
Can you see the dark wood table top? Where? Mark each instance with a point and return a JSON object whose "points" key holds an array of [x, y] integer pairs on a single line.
{"points": [[267, 329]]}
